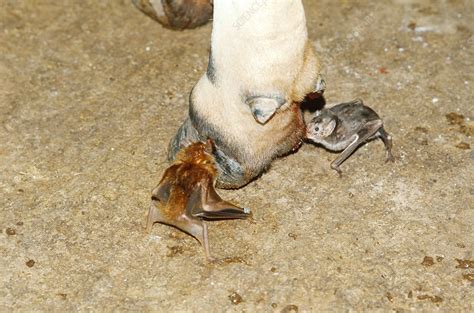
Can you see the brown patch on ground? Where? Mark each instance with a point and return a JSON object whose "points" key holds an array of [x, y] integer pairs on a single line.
{"points": [[463, 146], [455, 118], [291, 308], [30, 263], [469, 277], [235, 298], [11, 231], [465, 264], [174, 251], [434, 299], [427, 261], [233, 260]]}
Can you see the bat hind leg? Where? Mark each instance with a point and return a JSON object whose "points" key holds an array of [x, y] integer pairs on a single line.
{"points": [[198, 229], [335, 166], [387, 140], [153, 217], [205, 242], [367, 132]]}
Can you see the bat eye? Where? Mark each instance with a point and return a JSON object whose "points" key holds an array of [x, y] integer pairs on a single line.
{"points": [[316, 128]]}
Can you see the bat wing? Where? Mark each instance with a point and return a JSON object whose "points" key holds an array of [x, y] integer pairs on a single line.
{"points": [[206, 203], [162, 192]]}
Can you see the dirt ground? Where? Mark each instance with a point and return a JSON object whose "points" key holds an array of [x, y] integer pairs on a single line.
{"points": [[92, 91]]}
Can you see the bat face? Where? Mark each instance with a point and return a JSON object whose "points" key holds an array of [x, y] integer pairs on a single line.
{"points": [[321, 126], [186, 196]]}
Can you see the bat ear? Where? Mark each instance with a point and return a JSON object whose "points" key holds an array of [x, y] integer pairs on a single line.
{"points": [[358, 101], [210, 146], [329, 128]]}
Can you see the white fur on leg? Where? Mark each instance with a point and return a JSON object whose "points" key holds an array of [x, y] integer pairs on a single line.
{"points": [[259, 47]]}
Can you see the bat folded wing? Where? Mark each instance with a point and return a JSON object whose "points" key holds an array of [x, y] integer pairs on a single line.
{"points": [[210, 205], [227, 213]]}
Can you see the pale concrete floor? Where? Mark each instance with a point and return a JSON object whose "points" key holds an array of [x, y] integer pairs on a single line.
{"points": [[92, 91]]}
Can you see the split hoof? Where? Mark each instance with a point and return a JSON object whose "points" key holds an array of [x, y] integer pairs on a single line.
{"points": [[177, 14]]}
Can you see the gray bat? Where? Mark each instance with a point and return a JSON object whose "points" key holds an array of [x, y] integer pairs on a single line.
{"points": [[346, 126]]}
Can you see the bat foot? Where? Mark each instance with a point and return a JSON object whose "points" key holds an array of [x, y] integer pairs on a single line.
{"points": [[220, 261], [337, 169], [212, 260], [153, 216], [389, 158], [178, 15]]}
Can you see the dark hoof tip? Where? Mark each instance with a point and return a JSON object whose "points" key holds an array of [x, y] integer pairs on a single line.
{"points": [[177, 14]]}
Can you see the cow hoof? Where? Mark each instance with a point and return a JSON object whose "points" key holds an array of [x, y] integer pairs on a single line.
{"points": [[177, 14]]}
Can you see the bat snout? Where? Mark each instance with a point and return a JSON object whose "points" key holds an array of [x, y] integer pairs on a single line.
{"points": [[312, 132]]}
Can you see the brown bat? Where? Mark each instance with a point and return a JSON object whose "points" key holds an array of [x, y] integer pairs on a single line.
{"points": [[186, 197]]}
